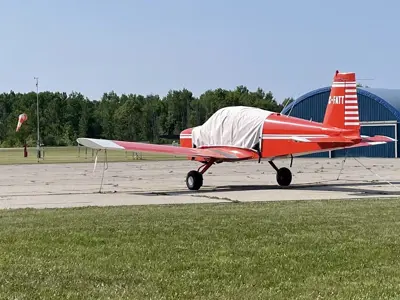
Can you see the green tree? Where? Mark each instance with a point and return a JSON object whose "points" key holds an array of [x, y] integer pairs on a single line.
{"points": [[65, 117], [287, 101]]}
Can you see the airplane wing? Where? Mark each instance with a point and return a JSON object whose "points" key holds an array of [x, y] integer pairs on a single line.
{"points": [[223, 153]]}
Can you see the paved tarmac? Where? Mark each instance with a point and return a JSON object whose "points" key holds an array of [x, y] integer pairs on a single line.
{"points": [[144, 182]]}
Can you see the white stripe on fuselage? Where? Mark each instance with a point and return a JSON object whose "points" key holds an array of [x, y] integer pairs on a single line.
{"points": [[293, 124], [279, 136], [354, 112]]}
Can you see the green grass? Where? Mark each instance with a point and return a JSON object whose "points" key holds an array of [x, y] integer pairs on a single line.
{"points": [[74, 155], [286, 250]]}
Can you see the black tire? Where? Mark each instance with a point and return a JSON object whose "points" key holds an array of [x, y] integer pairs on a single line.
{"points": [[284, 177], [194, 180]]}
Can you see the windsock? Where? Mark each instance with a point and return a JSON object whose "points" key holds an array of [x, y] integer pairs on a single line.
{"points": [[21, 119]]}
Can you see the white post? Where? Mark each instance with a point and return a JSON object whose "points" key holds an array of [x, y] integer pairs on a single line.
{"points": [[37, 115]]}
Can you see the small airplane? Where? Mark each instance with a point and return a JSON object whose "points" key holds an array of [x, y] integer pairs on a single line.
{"points": [[240, 133]]}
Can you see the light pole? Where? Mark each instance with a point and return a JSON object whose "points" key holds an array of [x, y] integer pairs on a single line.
{"points": [[37, 115]]}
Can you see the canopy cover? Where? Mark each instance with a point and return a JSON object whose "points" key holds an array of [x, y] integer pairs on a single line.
{"points": [[237, 126]]}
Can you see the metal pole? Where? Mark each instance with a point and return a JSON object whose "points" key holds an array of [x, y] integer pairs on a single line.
{"points": [[37, 114]]}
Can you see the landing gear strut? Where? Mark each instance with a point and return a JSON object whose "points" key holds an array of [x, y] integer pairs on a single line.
{"points": [[194, 179], [283, 175]]}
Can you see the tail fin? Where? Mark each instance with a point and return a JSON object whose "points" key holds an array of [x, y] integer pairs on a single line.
{"points": [[342, 109]]}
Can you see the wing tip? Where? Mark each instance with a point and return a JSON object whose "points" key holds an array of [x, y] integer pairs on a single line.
{"points": [[379, 138], [99, 143]]}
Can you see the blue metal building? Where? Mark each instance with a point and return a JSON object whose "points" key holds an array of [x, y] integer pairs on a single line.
{"points": [[379, 112]]}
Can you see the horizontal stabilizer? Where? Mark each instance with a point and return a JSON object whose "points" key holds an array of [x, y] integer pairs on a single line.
{"points": [[222, 153], [372, 141], [377, 138], [345, 140]]}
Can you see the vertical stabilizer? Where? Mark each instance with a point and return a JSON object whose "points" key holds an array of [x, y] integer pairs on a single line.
{"points": [[342, 109]]}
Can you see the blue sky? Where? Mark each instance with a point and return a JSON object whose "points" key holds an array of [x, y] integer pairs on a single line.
{"points": [[152, 46]]}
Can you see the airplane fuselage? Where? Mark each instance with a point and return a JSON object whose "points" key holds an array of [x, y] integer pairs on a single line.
{"points": [[276, 133]]}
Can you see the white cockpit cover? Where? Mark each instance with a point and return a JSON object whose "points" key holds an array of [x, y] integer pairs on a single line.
{"points": [[238, 126]]}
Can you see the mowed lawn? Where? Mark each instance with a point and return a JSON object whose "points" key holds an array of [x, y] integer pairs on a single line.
{"points": [[75, 155], [281, 250]]}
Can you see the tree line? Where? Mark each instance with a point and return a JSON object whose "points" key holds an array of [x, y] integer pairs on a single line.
{"points": [[65, 117]]}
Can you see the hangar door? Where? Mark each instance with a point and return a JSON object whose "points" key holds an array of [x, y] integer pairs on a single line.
{"points": [[388, 150]]}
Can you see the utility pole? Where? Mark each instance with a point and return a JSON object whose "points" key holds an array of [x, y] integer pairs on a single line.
{"points": [[37, 115]]}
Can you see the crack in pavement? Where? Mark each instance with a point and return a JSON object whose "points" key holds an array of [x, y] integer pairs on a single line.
{"points": [[193, 195], [216, 198]]}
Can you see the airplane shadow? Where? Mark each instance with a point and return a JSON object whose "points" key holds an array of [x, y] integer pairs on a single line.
{"points": [[355, 188]]}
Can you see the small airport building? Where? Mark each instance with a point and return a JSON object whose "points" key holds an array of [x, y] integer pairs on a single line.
{"points": [[379, 113]]}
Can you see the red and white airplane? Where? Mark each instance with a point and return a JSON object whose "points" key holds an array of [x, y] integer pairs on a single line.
{"points": [[241, 133]]}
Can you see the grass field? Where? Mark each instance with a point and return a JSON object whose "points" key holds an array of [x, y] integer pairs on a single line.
{"points": [[283, 250], [74, 155]]}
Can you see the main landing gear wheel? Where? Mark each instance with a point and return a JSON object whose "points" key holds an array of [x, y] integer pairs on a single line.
{"points": [[284, 176], [194, 180]]}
